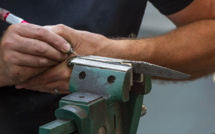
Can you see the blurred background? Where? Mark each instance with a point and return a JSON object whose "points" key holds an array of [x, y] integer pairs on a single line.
{"points": [[176, 108]]}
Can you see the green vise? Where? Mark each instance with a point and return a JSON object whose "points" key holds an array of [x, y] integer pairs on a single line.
{"points": [[106, 98]]}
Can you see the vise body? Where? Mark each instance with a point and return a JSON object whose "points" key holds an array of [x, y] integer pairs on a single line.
{"points": [[107, 96]]}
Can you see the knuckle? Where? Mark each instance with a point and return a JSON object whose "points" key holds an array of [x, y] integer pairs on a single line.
{"points": [[9, 58], [7, 43], [40, 32], [56, 41], [13, 27], [40, 48], [60, 29], [42, 62], [62, 26], [6, 58]]}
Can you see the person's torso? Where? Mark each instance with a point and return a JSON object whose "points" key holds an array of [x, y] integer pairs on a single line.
{"points": [[23, 111], [111, 18]]}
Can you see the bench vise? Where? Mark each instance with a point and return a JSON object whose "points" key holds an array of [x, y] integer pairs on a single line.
{"points": [[107, 96]]}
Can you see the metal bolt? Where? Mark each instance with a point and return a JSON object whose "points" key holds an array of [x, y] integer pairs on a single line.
{"points": [[102, 130], [143, 110]]}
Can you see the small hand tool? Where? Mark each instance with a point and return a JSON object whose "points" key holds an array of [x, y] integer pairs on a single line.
{"points": [[10, 18]]}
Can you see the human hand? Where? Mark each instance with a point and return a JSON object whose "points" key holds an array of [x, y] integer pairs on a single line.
{"points": [[27, 50], [54, 80], [83, 43], [86, 43]]}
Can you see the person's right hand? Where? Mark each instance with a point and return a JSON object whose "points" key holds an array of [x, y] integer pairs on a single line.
{"points": [[27, 50]]}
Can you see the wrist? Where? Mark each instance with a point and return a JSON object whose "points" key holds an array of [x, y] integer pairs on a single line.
{"points": [[130, 49], [121, 49], [113, 48]]}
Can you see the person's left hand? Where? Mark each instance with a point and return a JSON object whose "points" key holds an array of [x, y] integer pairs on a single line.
{"points": [[54, 80]]}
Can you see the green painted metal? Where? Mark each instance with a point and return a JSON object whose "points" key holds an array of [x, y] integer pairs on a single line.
{"points": [[58, 127], [100, 98], [134, 105], [148, 84], [96, 81]]}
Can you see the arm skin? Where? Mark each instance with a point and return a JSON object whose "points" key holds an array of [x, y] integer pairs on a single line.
{"points": [[189, 49], [27, 50]]}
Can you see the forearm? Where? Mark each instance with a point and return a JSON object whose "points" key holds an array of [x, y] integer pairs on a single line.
{"points": [[189, 49]]}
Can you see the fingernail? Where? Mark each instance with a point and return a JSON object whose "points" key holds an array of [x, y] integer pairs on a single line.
{"points": [[66, 47]]}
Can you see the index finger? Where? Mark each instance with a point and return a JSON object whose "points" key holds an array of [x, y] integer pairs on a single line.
{"points": [[42, 34]]}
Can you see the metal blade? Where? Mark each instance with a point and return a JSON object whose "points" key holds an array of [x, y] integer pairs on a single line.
{"points": [[141, 67], [155, 70]]}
